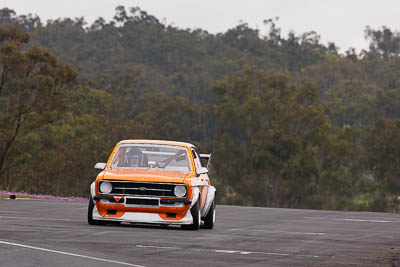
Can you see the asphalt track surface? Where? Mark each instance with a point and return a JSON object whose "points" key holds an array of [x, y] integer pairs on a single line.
{"points": [[55, 233]]}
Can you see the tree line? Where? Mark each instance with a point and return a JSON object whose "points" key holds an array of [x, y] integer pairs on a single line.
{"points": [[290, 122]]}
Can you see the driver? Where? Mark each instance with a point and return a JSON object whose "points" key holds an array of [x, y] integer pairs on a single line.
{"points": [[135, 158]]}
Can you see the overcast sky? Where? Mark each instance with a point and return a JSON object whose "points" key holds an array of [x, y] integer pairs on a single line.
{"points": [[339, 21]]}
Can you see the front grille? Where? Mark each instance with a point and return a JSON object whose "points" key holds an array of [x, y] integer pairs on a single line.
{"points": [[141, 201], [142, 189]]}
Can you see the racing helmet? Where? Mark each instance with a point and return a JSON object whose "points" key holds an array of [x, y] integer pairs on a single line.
{"points": [[134, 157]]}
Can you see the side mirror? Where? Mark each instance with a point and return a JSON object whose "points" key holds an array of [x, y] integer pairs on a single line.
{"points": [[202, 170], [100, 165]]}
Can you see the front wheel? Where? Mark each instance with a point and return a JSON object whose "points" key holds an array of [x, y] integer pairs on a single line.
{"points": [[195, 211], [91, 221], [209, 220]]}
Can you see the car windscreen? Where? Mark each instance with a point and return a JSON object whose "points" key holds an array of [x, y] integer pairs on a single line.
{"points": [[155, 156]]}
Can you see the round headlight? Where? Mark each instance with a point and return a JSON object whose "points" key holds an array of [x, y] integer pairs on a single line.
{"points": [[180, 190], [105, 187]]}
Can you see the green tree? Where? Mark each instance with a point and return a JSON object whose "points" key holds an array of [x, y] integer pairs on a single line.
{"points": [[382, 158], [275, 145], [383, 42], [32, 86]]}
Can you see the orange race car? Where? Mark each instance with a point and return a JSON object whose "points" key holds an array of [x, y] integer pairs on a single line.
{"points": [[151, 181]]}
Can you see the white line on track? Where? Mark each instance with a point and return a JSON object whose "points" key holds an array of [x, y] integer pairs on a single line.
{"points": [[102, 233], [266, 253], [349, 219], [237, 251], [143, 246], [70, 254], [279, 232], [250, 252], [264, 231], [30, 218]]}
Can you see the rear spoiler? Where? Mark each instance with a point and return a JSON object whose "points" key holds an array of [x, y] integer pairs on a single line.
{"points": [[206, 157]]}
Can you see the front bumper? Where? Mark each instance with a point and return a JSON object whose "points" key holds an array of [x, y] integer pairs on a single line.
{"points": [[143, 217], [166, 211]]}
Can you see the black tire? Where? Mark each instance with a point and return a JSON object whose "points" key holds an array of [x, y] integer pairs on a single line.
{"points": [[209, 220], [195, 211], [90, 214]]}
